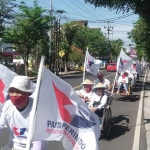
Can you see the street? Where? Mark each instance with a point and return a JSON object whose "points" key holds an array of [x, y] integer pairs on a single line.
{"points": [[124, 117]]}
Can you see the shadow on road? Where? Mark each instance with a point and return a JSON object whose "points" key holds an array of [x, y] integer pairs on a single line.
{"points": [[131, 98], [119, 127], [70, 76]]}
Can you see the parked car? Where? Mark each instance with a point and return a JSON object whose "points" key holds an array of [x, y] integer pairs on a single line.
{"points": [[111, 67]]}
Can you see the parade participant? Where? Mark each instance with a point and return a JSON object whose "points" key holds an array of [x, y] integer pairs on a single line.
{"points": [[16, 115], [123, 81], [138, 69], [102, 80], [86, 92], [99, 100]]}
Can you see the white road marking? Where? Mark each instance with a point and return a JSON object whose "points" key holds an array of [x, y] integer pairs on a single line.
{"points": [[136, 141]]}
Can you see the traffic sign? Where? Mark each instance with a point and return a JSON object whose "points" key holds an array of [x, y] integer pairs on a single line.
{"points": [[61, 53]]}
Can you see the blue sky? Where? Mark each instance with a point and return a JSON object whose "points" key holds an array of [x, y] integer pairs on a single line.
{"points": [[97, 17]]}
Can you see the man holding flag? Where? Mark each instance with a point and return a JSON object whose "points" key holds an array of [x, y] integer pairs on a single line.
{"points": [[61, 115], [16, 115]]}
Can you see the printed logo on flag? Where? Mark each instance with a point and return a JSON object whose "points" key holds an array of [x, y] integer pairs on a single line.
{"points": [[79, 119], [124, 61], [19, 132], [2, 86], [90, 63]]}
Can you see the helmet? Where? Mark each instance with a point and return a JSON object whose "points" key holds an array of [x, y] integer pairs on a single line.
{"points": [[99, 74]]}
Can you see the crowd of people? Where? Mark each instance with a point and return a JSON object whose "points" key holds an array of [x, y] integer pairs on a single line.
{"points": [[96, 94], [16, 112]]}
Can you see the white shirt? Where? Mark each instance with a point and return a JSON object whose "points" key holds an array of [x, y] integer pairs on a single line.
{"points": [[85, 94], [106, 82], [126, 79], [97, 98], [17, 122]]}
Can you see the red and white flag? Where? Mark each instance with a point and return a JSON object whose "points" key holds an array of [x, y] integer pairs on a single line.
{"points": [[123, 62], [6, 77], [63, 116], [133, 52], [92, 65]]}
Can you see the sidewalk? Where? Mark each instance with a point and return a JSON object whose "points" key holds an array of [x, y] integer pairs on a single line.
{"points": [[146, 109]]}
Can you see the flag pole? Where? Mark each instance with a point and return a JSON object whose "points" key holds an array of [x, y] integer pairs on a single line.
{"points": [[112, 91], [31, 127], [85, 64]]}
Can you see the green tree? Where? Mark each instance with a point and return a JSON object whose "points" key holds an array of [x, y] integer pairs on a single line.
{"points": [[7, 13], [93, 39], [140, 34], [116, 46], [76, 55], [69, 30], [141, 7], [27, 30]]}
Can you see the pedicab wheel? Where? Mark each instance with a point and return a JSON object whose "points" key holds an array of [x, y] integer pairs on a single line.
{"points": [[107, 122]]}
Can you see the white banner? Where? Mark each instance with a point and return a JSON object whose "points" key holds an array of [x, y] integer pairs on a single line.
{"points": [[63, 116], [92, 65], [123, 62]]}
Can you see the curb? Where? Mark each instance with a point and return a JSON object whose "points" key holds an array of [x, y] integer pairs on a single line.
{"points": [[63, 73]]}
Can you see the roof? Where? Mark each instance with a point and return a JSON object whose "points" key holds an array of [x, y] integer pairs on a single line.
{"points": [[9, 53], [84, 22]]}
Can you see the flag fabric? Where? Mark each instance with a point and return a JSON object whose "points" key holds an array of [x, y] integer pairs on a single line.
{"points": [[6, 77], [63, 116], [133, 52], [133, 68], [92, 65], [123, 62]]}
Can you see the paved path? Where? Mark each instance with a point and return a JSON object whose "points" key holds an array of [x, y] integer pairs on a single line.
{"points": [[147, 109]]}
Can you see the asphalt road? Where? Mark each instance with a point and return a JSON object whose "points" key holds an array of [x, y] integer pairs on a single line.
{"points": [[124, 115]]}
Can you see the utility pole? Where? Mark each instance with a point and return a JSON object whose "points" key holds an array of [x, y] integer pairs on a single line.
{"points": [[56, 44], [109, 30], [50, 36]]}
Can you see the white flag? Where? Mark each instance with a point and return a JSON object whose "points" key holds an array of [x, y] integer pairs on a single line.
{"points": [[6, 77], [92, 65], [123, 62], [63, 116]]}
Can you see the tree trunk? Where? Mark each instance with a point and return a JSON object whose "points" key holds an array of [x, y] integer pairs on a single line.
{"points": [[26, 64]]}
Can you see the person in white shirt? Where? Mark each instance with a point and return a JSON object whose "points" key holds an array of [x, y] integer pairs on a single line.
{"points": [[99, 100], [16, 115], [123, 81], [86, 92], [102, 80]]}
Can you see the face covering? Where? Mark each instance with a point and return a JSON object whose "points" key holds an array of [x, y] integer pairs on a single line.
{"points": [[18, 100], [88, 89], [124, 75]]}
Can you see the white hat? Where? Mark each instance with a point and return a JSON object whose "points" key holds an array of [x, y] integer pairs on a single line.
{"points": [[21, 83], [127, 71], [87, 81], [99, 86]]}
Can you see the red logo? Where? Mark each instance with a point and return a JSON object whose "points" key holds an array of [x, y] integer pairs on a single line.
{"points": [[2, 86]]}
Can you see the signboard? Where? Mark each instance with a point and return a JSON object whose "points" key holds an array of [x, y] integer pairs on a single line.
{"points": [[61, 53]]}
